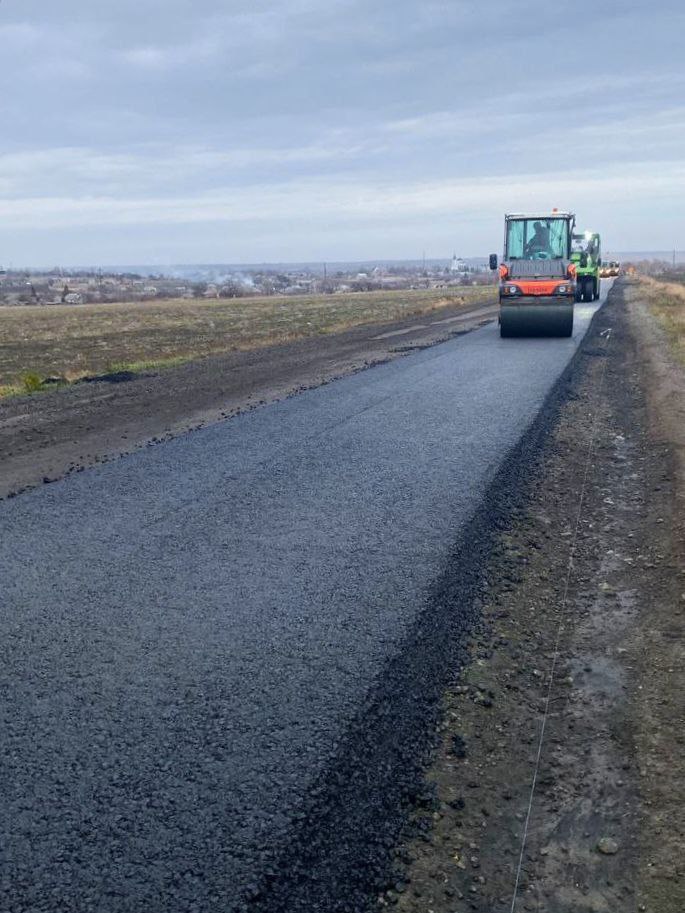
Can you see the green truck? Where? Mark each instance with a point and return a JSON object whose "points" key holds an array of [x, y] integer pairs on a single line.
{"points": [[586, 253]]}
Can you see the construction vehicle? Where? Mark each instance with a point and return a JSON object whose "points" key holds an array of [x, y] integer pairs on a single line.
{"points": [[609, 268], [537, 280], [586, 253]]}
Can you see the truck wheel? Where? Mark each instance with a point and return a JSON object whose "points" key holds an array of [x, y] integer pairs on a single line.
{"points": [[597, 285], [587, 291]]}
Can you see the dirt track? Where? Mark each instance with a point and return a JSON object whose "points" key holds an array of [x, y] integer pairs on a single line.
{"points": [[44, 436], [606, 830]]}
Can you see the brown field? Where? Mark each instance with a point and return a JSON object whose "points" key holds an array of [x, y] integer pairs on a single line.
{"points": [[72, 341], [667, 302]]}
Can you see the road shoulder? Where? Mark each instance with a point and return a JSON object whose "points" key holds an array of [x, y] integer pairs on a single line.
{"points": [[581, 632], [48, 435]]}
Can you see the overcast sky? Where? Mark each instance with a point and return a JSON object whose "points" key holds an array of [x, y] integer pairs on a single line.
{"points": [[160, 131]]}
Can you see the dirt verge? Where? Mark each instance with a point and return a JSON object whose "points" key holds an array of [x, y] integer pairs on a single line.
{"points": [[46, 435], [557, 784]]}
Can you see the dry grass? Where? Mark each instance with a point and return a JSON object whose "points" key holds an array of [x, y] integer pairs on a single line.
{"points": [[71, 341], [667, 302]]}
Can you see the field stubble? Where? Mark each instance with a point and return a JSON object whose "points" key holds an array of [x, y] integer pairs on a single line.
{"points": [[68, 342], [666, 301]]}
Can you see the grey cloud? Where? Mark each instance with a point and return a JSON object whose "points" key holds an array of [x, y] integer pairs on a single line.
{"points": [[160, 105]]}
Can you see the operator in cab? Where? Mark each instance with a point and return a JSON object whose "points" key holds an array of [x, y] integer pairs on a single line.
{"points": [[540, 242]]}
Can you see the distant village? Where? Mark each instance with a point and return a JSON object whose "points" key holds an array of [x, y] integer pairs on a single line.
{"points": [[58, 286]]}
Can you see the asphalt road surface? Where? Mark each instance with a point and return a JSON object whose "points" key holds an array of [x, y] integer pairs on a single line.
{"points": [[188, 633]]}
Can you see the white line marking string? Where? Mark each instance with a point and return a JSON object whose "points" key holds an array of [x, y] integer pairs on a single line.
{"points": [[607, 335]]}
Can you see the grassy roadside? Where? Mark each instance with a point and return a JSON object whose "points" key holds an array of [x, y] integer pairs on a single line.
{"points": [[68, 342], [666, 300], [657, 309]]}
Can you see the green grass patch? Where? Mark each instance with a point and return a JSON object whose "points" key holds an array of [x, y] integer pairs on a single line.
{"points": [[31, 382], [10, 390]]}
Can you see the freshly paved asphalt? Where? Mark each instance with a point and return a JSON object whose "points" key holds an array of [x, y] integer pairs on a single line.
{"points": [[186, 632]]}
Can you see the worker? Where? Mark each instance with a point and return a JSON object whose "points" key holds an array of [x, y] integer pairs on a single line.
{"points": [[540, 240]]}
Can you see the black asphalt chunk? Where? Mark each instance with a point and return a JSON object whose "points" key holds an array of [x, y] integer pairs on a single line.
{"points": [[458, 746], [113, 377]]}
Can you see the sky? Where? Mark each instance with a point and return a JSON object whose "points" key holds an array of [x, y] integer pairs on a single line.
{"points": [[199, 131]]}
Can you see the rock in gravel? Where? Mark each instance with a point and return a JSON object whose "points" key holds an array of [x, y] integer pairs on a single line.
{"points": [[458, 746], [607, 846]]}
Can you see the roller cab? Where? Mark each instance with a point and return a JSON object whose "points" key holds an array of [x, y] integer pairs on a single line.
{"points": [[537, 280]]}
